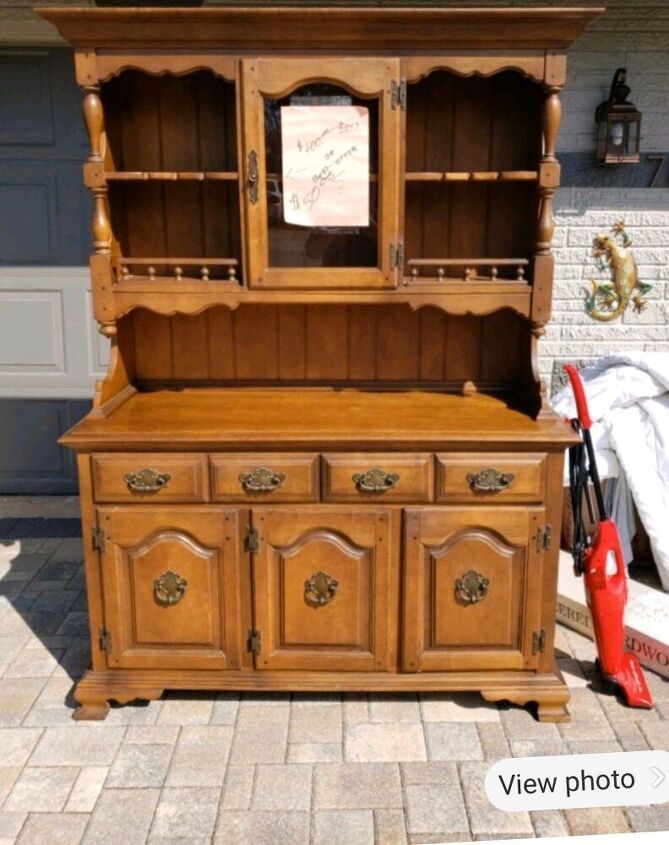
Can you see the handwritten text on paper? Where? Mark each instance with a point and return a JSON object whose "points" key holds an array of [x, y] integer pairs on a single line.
{"points": [[325, 165]]}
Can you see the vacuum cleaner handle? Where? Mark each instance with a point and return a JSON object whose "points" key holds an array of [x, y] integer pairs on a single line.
{"points": [[579, 396]]}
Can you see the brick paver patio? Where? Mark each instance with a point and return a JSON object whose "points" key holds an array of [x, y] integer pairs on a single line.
{"points": [[229, 768]]}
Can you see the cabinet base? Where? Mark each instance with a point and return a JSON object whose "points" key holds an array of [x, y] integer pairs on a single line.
{"points": [[96, 689]]}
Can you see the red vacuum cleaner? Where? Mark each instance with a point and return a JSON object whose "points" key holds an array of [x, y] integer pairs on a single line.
{"points": [[600, 560]]}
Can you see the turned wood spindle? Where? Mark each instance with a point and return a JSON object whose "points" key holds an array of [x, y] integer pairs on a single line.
{"points": [[546, 224], [108, 329], [152, 273], [414, 273], [520, 273], [125, 273], [538, 330], [94, 118], [469, 272], [178, 273], [551, 116], [441, 273], [204, 274], [493, 273], [232, 274], [101, 224]]}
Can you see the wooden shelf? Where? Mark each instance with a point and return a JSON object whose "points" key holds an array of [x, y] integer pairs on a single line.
{"points": [[313, 418], [171, 176], [473, 176]]}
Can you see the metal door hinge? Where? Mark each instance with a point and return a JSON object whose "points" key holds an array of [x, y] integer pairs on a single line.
{"points": [[396, 256], [398, 95], [539, 641], [252, 540], [105, 641], [98, 538], [544, 538], [254, 641]]}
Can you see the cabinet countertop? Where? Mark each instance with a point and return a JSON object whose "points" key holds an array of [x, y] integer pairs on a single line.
{"points": [[315, 418]]}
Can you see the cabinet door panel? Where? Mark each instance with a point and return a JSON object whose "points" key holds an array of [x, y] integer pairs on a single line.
{"points": [[471, 588], [325, 585], [172, 586], [286, 255]]}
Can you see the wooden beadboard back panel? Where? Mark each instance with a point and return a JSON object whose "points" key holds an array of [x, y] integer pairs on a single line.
{"points": [[457, 124], [328, 343]]}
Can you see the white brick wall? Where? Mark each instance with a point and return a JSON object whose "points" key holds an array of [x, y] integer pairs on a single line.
{"points": [[580, 214], [630, 34], [634, 35]]}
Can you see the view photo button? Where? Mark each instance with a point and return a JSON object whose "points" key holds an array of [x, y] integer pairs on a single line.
{"points": [[625, 778]]}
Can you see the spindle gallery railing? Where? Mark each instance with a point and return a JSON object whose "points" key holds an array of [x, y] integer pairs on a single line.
{"points": [[203, 268], [421, 269]]}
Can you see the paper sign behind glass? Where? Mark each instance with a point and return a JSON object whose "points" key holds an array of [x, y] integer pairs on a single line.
{"points": [[325, 165]]}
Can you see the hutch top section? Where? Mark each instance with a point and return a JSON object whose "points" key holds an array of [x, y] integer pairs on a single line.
{"points": [[267, 154]]}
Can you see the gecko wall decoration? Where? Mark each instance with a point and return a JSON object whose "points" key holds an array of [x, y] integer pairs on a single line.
{"points": [[607, 302]]}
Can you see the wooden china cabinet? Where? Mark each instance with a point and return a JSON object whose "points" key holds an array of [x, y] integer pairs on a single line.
{"points": [[322, 458]]}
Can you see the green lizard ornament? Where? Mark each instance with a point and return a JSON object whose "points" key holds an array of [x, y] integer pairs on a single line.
{"points": [[608, 301]]}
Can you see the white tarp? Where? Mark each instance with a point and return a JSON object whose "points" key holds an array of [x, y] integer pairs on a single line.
{"points": [[628, 394]]}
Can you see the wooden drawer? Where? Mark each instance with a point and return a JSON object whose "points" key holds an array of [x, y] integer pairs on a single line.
{"points": [[272, 477], [490, 477], [150, 477], [377, 477]]}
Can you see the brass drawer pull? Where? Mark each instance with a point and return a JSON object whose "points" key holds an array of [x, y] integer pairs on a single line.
{"points": [[375, 480], [147, 480], [472, 587], [490, 480], [169, 589], [261, 480], [320, 589]]}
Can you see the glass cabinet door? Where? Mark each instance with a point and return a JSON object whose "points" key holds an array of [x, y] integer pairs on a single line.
{"points": [[321, 152]]}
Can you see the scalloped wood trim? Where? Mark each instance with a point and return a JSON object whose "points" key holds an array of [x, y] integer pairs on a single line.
{"points": [[531, 66], [116, 387], [174, 64], [459, 302]]}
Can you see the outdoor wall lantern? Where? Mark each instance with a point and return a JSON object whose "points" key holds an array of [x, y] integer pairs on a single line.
{"points": [[619, 124]]}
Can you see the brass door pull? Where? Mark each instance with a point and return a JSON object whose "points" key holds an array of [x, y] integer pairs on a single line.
{"points": [[320, 589], [490, 480], [471, 587], [375, 480], [261, 480], [169, 589], [252, 177], [147, 480]]}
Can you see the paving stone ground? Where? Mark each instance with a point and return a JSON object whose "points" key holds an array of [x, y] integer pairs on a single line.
{"points": [[251, 769]]}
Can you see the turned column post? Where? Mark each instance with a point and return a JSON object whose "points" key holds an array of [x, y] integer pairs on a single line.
{"points": [[549, 169], [94, 117], [549, 179], [94, 169]]}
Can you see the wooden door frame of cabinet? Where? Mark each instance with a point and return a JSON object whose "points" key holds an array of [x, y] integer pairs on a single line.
{"points": [[225, 525], [413, 587], [368, 77], [384, 588]]}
